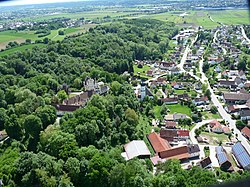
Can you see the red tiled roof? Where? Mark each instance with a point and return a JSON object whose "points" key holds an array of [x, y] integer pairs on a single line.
{"points": [[156, 159], [246, 131], [226, 129], [214, 123], [217, 126], [176, 152], [158, 143], [183, 132]]}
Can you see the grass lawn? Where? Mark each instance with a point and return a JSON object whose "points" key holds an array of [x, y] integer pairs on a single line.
{"points": [[207, 152], [209, 115], [157, 111], [215, 138], [177, 108], [142, 71], [20, 48]]}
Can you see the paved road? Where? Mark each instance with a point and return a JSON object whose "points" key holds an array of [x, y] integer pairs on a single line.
{"points": [[194, 140], [222, 111], [215, 40], [244, 34], [163, 93]]}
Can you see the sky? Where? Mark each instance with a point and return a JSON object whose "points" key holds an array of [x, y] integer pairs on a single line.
{"points": [[26, 2]]}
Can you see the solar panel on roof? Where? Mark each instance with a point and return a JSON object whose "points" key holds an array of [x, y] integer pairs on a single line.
{"points": [[241, 154], [221, 155]]}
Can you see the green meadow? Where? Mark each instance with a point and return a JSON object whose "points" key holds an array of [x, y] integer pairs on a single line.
{"points": [[19, 48]]}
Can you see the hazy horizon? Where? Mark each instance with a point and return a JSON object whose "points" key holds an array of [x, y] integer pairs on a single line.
{"points": [[30, 2]]}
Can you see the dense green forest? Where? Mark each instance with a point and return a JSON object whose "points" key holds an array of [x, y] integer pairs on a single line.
{"points": [[85, 149]]}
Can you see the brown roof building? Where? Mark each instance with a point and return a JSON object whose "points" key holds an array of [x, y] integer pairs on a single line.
{"points": [[170, 124], [246, 132], [236, 97], [168, 134], [175, 153], [158, 143], [205, 163]]}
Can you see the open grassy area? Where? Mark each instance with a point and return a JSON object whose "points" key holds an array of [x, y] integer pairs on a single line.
{"points": [[209, 115], [157, 111], [231, 17], [142, 71], [214, 138], [201, 17], [177, 108], [20, 48]]}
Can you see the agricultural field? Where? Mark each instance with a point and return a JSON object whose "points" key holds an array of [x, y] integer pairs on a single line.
{"points": [[201, 18], [88, 15], [21, 36], [19, 48], [231, 17]]}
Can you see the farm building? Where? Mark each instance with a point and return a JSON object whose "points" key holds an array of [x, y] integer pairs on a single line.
{"points": [[136, 148], [241, 155], [223, 159]]}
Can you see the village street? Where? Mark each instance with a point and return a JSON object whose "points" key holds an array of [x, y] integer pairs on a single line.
{"points": [[244, 34], [217, 103]]}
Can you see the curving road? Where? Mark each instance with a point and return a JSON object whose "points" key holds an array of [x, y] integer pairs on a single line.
{"points": [[221, 110], [244, 34], [215, 40]]}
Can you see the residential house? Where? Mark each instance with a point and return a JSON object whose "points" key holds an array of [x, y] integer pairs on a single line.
{"points": [[183, 134], [241, 155], [233, 98], [245, 114], [205, 163], [246, 132], [158, 144], [193, 150], [161, 81], [170, 124], [198, 86], [217, 69], [201, 101], [149, 73], [224, 161], [169, 101], [166, 65], [136, 148], [226, 129], [176, 85], [178, 116], [217, 129], [235, 109], [169, 117], [227, 83], [184, 97]]}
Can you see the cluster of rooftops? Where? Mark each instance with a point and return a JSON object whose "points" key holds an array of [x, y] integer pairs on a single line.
{"points": [[163, 151]]}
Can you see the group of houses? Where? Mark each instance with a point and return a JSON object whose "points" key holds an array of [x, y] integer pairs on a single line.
{"points": [[217, 127], [91, 86], [163, 150]]}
